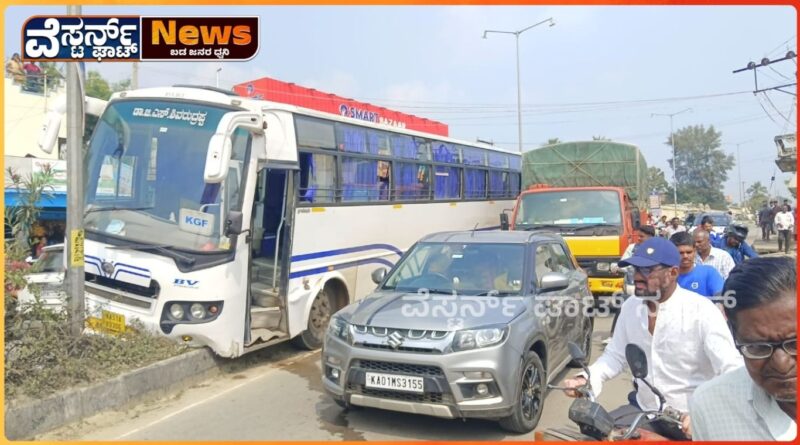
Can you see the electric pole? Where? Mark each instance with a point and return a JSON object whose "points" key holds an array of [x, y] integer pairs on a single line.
{"points": [[75, 234]]}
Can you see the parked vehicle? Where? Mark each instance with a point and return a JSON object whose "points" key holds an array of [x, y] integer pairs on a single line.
{"points": [[49, 271], [597, 424], [721, 221], [594, 193], [466, 325]]}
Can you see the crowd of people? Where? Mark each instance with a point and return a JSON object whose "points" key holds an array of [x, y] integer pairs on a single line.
{"points": [[730, 367], [777, 220], [27, 74]]}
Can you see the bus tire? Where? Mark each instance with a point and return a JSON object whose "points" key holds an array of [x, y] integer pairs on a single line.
{"points": [[318, 319]]}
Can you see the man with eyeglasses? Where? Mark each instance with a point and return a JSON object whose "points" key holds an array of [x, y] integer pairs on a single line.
{"points": [[759, 401], [684, 336]]}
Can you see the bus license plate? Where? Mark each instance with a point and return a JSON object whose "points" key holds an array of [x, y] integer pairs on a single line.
{"points": [[395, 382], [113, 322]]}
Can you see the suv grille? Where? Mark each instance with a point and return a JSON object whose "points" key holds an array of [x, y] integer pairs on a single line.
{"points": [[402, 368]]}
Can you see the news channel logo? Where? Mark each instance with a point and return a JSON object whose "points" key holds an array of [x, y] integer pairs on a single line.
{"points": [[133, 38]]}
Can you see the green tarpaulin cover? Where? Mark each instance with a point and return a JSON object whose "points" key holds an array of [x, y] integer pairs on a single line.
{"points": [[585, 164]]}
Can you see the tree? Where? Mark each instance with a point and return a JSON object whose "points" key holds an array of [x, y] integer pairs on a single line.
{"points": [[96, 86], [757, 194], [657, 180], [702, 167]]}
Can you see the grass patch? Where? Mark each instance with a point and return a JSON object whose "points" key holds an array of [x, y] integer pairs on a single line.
{"points": [[41, 357]]}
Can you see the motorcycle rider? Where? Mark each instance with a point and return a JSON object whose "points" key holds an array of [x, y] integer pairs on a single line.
{"points": [[684, 336], [734, 243]]}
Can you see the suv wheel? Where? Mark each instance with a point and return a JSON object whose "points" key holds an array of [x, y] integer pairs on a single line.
{"points": [[530, 397], [585, 342]]}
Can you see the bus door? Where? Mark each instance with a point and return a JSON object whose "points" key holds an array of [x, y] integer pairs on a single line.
{"points": [[269, 255]]}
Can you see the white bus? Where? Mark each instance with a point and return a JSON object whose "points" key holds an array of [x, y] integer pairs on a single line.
{"points": [[237, 223]]}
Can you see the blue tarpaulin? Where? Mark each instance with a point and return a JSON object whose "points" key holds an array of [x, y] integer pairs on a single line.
{"points": [[54, 206]]}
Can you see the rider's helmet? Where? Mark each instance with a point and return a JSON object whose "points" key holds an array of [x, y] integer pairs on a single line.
{"points": [[738, 231]]}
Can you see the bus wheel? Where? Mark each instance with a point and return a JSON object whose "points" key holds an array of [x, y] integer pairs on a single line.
{"points": [[318, 318]]}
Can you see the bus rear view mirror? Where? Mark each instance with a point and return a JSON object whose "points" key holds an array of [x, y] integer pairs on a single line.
{"points": [[233, 225], [220, 146], [217, 158]]}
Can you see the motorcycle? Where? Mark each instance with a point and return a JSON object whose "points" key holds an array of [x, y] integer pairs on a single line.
{"points": [[596, 424]]}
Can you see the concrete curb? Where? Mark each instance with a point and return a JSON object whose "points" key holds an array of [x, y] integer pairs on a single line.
{"points": [[25, 420]]}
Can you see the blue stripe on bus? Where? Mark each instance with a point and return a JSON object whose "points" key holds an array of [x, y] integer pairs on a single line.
{"points": [[315, 255], [340, 266]]}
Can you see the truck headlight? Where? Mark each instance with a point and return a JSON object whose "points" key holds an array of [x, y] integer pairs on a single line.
{"points": [[479, 338], [613, 267], [340, 329], [603, 267]]}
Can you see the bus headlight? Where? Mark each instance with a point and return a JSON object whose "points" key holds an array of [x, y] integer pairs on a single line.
{"points": [[176, 310], [603, 267], [613, 267], [197, 311]]}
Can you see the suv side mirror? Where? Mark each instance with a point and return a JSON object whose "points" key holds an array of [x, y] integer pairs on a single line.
{"points": [[553, 281], [504, 221], [378, 275]]}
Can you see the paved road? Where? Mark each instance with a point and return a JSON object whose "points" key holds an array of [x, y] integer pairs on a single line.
{"points": [[277, 395]]}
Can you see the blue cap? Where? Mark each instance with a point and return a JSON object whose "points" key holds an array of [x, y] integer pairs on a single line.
{"points": [[653, 252]]}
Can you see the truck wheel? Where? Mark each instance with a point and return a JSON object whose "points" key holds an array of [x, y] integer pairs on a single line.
{"points": [[530, 397], [318, 319]]}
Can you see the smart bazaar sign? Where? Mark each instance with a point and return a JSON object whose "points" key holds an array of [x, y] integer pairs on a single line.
{"points": [[289, 93], [130, 38]]}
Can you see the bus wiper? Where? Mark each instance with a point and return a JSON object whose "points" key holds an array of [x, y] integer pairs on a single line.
{"points": [[163, 248], [110, 208]]}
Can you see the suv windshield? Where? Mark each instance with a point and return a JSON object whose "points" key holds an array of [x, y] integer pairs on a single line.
{"points": [[51, 261], [474, 269], [720, 219], [145, 182]]}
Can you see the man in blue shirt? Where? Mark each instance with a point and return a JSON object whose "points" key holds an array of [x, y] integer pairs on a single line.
{"points": [[734, 243], [699, 278]]}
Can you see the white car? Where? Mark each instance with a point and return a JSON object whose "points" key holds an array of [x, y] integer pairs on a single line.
{"points": [[49, 277]]}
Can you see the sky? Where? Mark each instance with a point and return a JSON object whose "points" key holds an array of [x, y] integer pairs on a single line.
{"points": [[600, 71]]}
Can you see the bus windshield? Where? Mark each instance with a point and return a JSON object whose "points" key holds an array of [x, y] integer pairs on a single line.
{"points": [[144, 171], [569, 209]]}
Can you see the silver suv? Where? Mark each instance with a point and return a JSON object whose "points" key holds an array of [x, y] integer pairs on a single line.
{"points": [[466, 325]]}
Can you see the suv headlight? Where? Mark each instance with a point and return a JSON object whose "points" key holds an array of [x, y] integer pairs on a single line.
{"points": [[479, 338], [340, 329]]}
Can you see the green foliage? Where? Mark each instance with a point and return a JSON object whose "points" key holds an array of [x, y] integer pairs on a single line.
{"points": [[702, 167], [96, 86], [42, 357], [757, 194], [657, 180]]}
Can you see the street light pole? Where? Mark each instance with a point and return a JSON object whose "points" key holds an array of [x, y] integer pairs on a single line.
{"points": [[739, 167], [519, 82], [674, 160]]}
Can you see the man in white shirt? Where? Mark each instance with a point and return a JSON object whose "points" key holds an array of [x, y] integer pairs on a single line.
{"points": [[683, 334], [784, 222], [674, 227], [710, 255], [759, 401]]}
